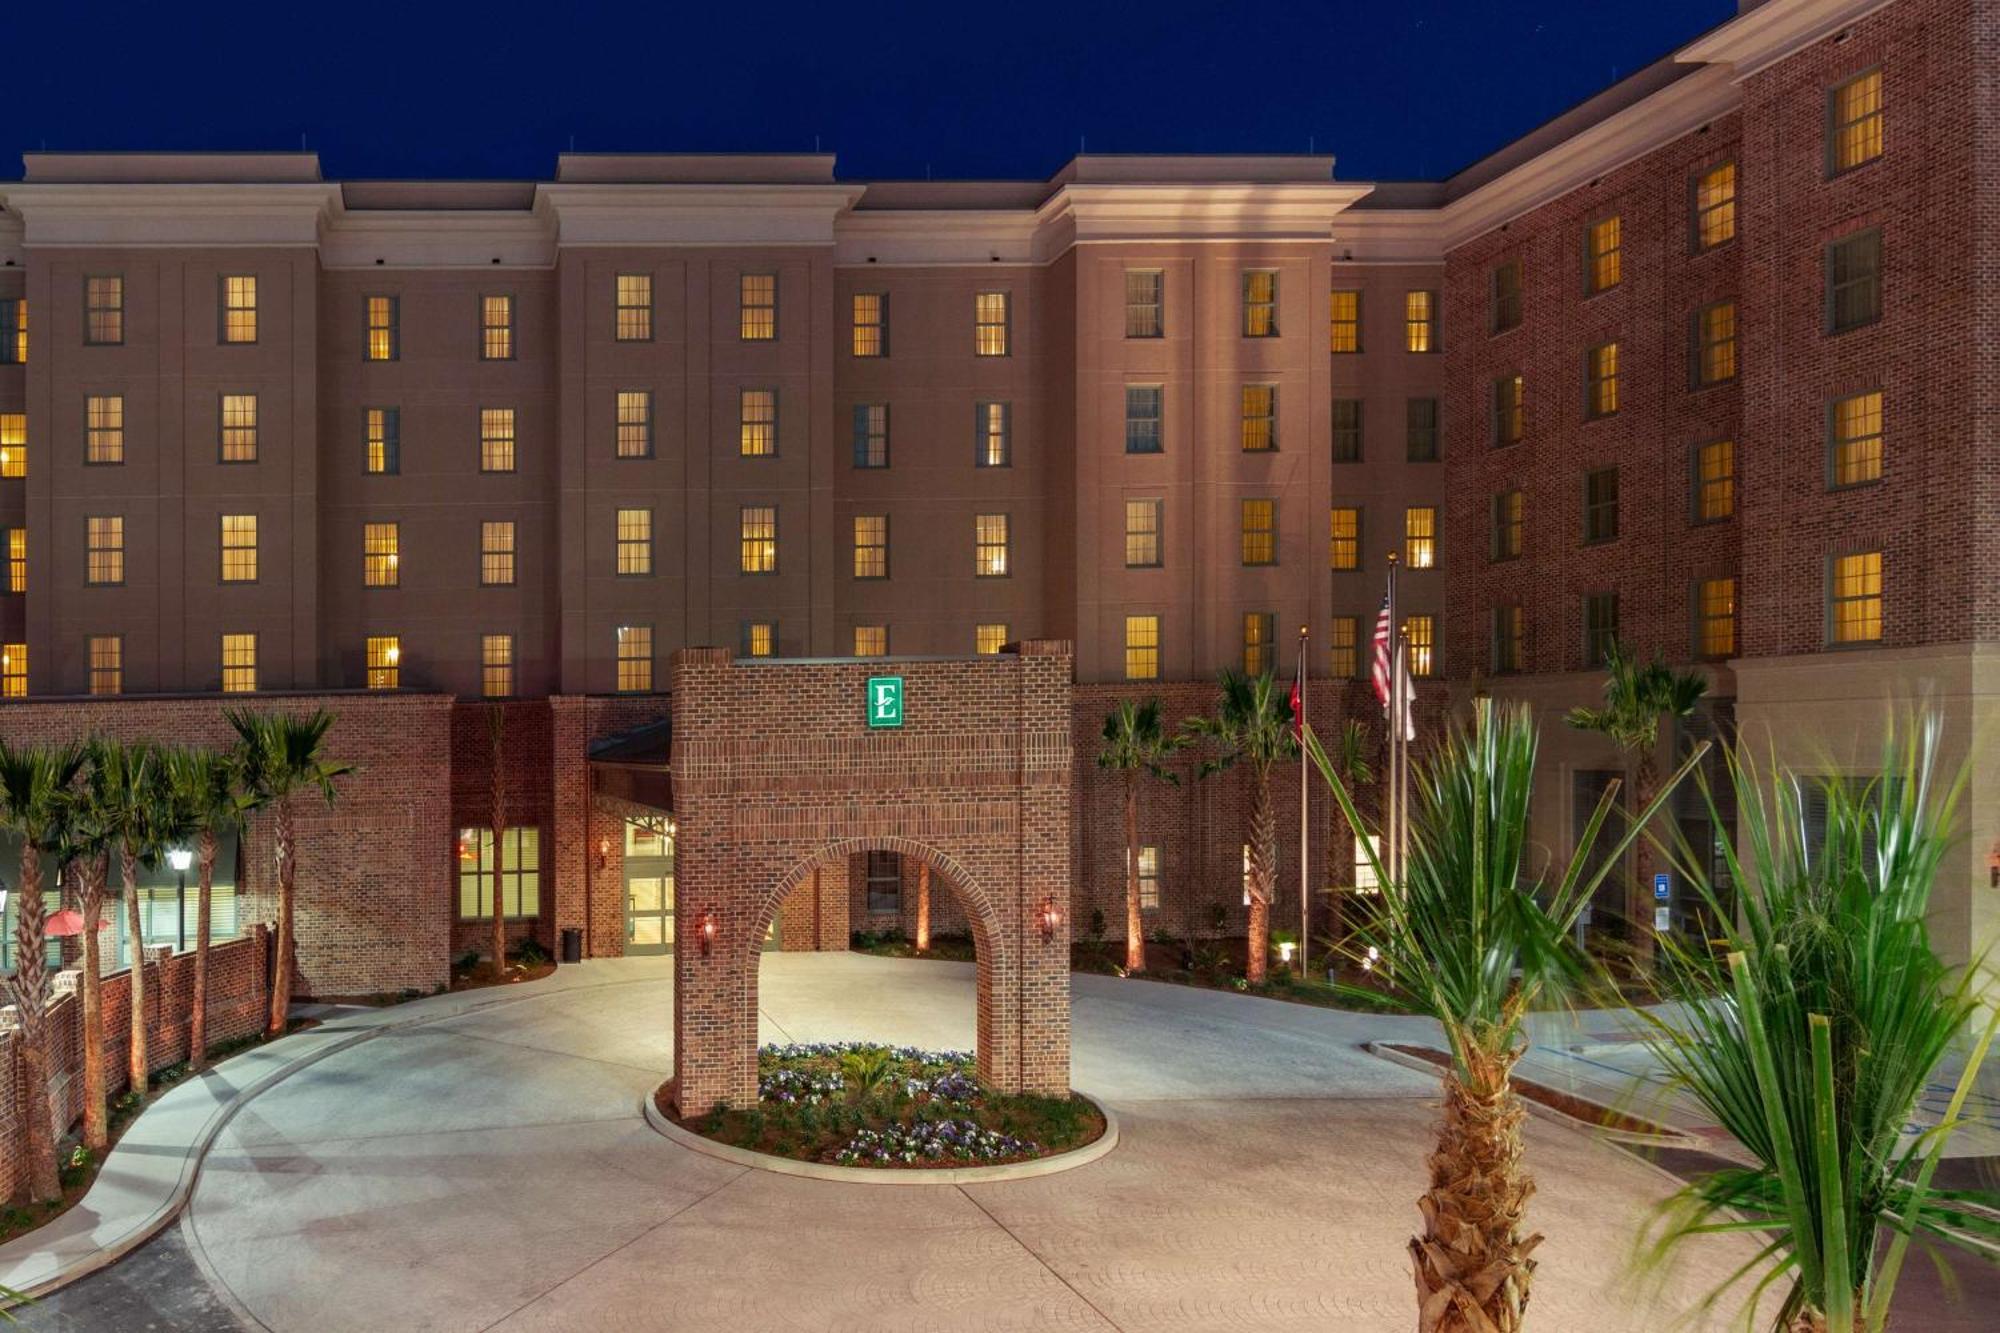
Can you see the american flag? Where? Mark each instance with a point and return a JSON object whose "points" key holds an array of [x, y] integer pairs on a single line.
{"points": [[1385, 637]]}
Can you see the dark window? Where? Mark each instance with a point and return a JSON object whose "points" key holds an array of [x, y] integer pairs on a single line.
{"points": [[885, 882], [1600, 505], [1142, 418], [1600, 627], [1347, 430], [1507, 296], [1854, 281], [1423, 430]]}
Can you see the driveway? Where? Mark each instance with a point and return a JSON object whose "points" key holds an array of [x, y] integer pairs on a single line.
{"points": [[490, 1169]]}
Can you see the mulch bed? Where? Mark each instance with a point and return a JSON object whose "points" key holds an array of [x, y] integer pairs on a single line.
{"points": [[482, 975]]}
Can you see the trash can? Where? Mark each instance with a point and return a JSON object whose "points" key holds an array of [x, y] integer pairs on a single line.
{"points": [[572, 944]]}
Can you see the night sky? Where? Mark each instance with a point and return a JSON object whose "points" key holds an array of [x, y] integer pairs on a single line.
{"points": [[1395, 89]]}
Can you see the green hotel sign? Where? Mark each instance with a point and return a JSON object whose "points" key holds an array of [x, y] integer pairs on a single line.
{"points": [[885, 701]]}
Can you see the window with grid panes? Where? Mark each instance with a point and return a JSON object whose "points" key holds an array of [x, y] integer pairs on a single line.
{"points": [[496, 553], [1260, 632], [1854, 449], [1854, 593], [1714, 481], [381, 555], [1346, 416], [1854, 281], [238, 322], [1854, 122], [988, 639], [1420, 314], [992, 546], [104, 310], [1603, 260], [993, 445], [239, 428], [1260, 417], [107, 663], [496, 439], [385, 332], [239, 548], [1343, 321], [634, 320], [1142, 533], [239, 663], [1600, 505], [870, 315], [518, 871], [1600, 627], [1144, 296], [1715, 206], [635, 423], [760, 638], [384, 442], [1714, 344], [992, 323], [13, 331], [1509, 638], [1260, 303], [1600, 375], [1142, 647], [1260, 532], [634, 645], [871, 546], [1421, 430], [13, 444], [496, 665], [383, 655], [758, 539], [871, 435], [1505, 300], [1715, 618], [104, 548], [17, 560], [1344, 640], [1509, 513], [104, 428], [757, 423], [871, 640], [635, 542], [1142, 418], [496, 328], [1509, 410], [757, 306], [1420, 537], [1344, 538], [1420, 634], [14, 671], [1149, 877]]}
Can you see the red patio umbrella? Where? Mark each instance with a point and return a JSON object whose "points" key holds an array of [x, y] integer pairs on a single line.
{"points": [[67, 922]]}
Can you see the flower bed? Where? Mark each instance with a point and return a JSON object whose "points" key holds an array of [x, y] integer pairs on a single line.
{"points": [[860, 1104]]}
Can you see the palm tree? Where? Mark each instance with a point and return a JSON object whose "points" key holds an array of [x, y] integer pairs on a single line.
{"points": [[281, 761], [1253, 723], [1135, 743], [1816, 1037], [129, 797], [35, 792], [1638, 696], [89, 850], [1471, 941], [496, 729], [205, 786]]}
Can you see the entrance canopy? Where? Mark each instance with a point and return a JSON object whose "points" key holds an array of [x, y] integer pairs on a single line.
{"points": [[632, 766]]}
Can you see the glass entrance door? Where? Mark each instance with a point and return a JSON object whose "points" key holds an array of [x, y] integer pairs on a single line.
{"points": [[649, 886]]}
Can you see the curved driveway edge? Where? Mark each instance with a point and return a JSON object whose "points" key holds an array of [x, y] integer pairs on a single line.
{"points": [[870, 1175]]}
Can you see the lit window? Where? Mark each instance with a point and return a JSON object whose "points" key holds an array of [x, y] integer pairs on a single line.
{"points": [[385, 662], [1149, 877], [1346, 430], [1715, 344], [385, 322], [993, 446], [1260, 532], [988, 639], [992, 318], [385, 440], [1144, 296], [871, 324], [635, 541], [758, 526], [1600, 627], [1600, 391], [1714, 481], [1509, 511], [871, 435], [1344, 542], [13, 671], [496, 554], [1260, 303], [381, 556], [1600, 505], [991, 549], [13, 444], [1715, 206], [635, 423], [1420, 333], [1715, 618], [1510, 416], [1856, 594], [760, 638], [1506, 296], [1344, 638], [1854, 281], [519, 872], [17, 560], [239, 309], [104, 428], [1142, 533], [1142, 647], [635, 307], [104, 549], [1420, 537], [496, 328], [104, 310], [239, 427], [1509, 638], [1344, 321], [107, 663], [239, 663], [1601, 255], [1420, 430], [635, 658], [1855, 449], [1260, 417], [871, 546], [13, 332], [1854, 122], [239, 548], [757, 423], [1142, 418], [871, 640], [1259, 634], [1420, 634], [496, 439], [496, 665], [757, 306]]}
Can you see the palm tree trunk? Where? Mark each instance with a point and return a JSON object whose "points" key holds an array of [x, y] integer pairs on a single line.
{"points": [[1135, 930], [1263, 860], [138, 1063], [923, 906], [1639, 892], [1472, 1266], [96, 1123], [27, 989], [499, 944], [281, 967], [198, 1024]]}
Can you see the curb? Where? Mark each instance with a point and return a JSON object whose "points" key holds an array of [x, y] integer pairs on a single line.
{"points": [[869, 1175]]}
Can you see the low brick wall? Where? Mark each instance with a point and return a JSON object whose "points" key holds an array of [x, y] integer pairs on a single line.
{"points": [[238, 995]]}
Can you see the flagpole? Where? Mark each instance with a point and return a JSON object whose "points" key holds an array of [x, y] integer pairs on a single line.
{"points": [[1393, 799], [1305, 823]]}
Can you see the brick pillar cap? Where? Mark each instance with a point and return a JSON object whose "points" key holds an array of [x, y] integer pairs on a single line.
{"points": [[1046, 648], [701, 656]]}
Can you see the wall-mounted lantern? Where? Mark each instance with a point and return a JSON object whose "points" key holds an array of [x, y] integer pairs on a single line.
{"points": [[1050, 918], [707, 932]]}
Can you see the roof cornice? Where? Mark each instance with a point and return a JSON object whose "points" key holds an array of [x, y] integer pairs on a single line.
{"points": [[153, 215], [1758, 38], [682, 214]]}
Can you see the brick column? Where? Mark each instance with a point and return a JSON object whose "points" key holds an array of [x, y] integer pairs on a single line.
{"points": [[569, 804]]}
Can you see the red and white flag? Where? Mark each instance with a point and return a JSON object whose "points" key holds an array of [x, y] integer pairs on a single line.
{"points": [[1298, 698], [1385, 639]]}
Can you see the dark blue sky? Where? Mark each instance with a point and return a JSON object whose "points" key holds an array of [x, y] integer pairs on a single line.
{"points": [[1395, 88]]}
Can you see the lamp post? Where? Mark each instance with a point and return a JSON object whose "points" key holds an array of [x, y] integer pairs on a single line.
{"points": [[180, 858]]}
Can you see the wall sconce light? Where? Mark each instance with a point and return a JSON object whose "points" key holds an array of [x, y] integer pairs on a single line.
{"points": [[603, 853], [707, 932], [1049, 918]]}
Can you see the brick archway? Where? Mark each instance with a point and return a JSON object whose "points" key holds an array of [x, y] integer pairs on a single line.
{"points": [[776, 773]]}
